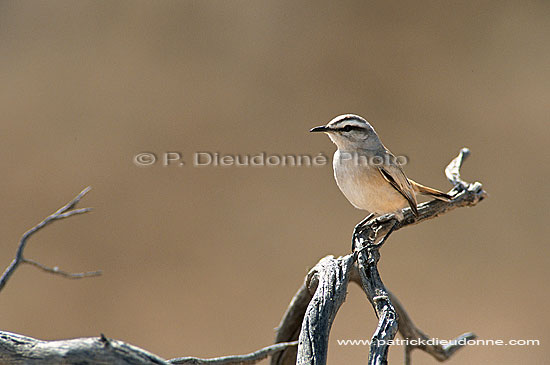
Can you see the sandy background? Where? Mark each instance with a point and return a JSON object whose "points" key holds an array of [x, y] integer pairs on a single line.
{"points": [[203, 262]]}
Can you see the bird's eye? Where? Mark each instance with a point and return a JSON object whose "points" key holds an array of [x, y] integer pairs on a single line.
{"points": [[347, 128]]}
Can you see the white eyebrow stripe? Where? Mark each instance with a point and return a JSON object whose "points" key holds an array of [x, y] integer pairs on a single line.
{"points": [[347, 121]]}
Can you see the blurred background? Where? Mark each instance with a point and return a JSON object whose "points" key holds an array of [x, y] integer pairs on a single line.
{"points": [[204, 261]]}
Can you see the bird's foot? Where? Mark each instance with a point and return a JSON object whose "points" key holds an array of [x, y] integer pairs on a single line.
{"points": [[359, 230], [383, 240]]}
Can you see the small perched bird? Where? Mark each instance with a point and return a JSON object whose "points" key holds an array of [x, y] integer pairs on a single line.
{"points": [[367, 173]]}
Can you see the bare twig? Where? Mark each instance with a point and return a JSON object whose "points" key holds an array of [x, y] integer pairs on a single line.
{"points": [[63, 212], [247, 359], [416, 339], [58, 271], [452, 171]]}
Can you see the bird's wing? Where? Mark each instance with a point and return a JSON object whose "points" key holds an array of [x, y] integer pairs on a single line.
{"points": [[396, 177]]}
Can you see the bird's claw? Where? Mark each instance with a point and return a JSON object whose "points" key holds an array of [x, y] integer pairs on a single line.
{"points": [[359, 230]]}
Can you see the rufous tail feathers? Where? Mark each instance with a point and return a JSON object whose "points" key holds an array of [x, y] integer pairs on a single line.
{"points": [[424, 190]]}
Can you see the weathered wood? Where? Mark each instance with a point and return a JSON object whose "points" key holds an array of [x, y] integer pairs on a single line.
{"points": [[391, 314], [291, 324], [21, 350], [419, 340], [330, 278], [247, 359], [367, 261], [308, 318], [16, 349]]}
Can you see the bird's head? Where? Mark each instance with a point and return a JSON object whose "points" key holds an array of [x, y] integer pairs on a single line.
{"points": [[350, 132]]}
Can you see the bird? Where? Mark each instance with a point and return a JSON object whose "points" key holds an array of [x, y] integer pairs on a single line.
{"points": [[367, 173]]}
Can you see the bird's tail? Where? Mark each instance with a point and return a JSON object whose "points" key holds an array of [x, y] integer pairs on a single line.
{"points": [[424, 190]]}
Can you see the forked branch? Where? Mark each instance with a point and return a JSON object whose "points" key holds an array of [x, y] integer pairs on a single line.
{"points": [[391, 314], [18, 349], [308, 319], [63, 212]]}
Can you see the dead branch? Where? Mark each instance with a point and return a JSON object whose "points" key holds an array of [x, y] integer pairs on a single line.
{"points": [[308, 318], [330, 279], [390, 312], [16, 349], [247, 359], [290, 325], [419, 340], [367, 266], [63, 212]]}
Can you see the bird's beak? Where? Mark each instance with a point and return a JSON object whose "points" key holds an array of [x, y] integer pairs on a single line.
{"points": [[321, 128]]}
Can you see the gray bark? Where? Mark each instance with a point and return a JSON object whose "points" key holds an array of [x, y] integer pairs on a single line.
{"points": [[313, 343], [308, 319]]}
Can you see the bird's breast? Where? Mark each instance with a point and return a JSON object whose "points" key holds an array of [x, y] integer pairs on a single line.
{"points": [[365, 187]]}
